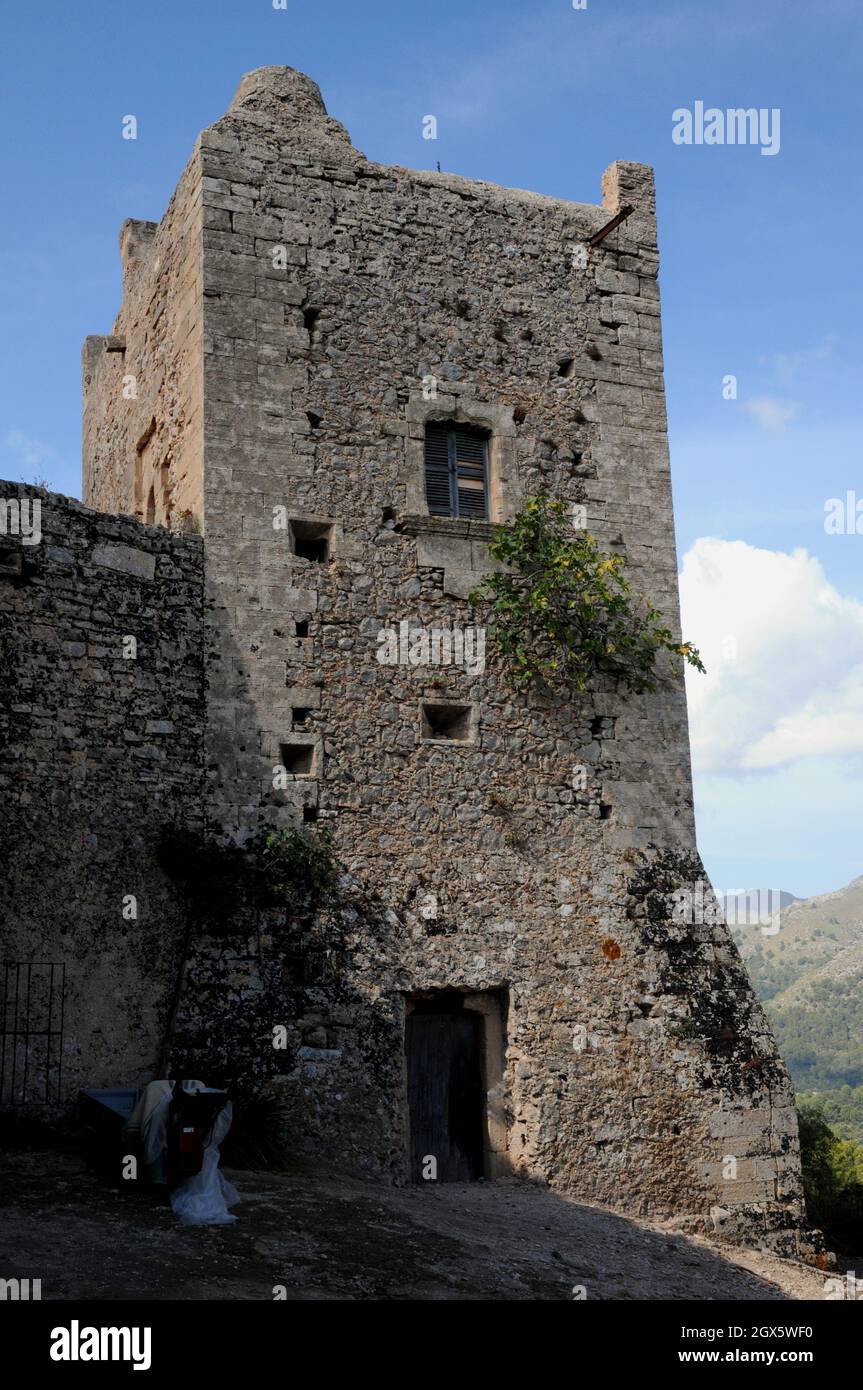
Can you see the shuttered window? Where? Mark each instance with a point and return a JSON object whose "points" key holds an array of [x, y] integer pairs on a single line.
{"points": [[456, 464]]}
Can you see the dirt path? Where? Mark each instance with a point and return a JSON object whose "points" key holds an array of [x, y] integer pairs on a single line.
{"points": [[338, 1238]]}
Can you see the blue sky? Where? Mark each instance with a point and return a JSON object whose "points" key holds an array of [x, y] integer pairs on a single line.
{"points": [[759, 280]]}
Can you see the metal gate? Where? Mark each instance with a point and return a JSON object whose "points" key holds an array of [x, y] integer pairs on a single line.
{"points": [[31, 1036]]}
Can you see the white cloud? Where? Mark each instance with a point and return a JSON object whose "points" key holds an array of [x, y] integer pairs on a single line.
{"points": [[788, 366], [771, 412], [32, 453], [784, 656], [538, 50]]}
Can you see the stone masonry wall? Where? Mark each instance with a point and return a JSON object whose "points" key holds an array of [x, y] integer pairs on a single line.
{"points": [[100, 751], [142, 384], [313, 400], [344, 305]]}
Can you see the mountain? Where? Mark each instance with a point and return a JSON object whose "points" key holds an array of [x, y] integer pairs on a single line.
{"points": [[809, 976]]}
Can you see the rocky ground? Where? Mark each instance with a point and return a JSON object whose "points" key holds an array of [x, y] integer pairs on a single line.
{"points": [[334, 1237]]}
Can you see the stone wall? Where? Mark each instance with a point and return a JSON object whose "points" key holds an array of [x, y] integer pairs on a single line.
{"points": [[343, 305], [640, 1070], [142, 384], [385, 279], [102, 747]]}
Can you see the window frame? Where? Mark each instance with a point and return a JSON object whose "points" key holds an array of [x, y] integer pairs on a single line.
{"points": [[504, 483]]}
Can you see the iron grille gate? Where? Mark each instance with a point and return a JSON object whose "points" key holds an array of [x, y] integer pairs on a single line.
{"points": [[31, 1038]]}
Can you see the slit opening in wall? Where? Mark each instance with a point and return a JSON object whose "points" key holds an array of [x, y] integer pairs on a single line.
{"points": [[301, 627], [300, 717], [312, 540], [143, 469]]}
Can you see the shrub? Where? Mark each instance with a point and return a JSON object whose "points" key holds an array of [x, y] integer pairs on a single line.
{"points": [[258, 1139], [832, 1180], [292, 868], [297, 867]]}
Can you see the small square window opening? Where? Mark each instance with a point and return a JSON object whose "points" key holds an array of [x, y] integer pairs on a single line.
{"points": [[450, 723], [298, 758], [312, 540]]}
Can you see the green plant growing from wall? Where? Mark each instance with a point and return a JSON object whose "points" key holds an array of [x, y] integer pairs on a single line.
{"points": [[295, 866], [188, 522], [513, 839], [563, 612], [683, 1028], [290, 868]]}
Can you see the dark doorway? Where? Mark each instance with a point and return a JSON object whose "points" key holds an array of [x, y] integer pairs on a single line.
{"points": [[445, 1091]]}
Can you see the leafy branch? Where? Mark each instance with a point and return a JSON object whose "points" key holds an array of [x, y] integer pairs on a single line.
{"points": [[563, 611]]}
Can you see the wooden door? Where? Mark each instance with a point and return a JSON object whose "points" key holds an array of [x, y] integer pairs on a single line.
{"points": [[445, 1094]]}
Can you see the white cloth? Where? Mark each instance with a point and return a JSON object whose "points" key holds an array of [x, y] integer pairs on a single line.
{"points": [[203, 1200]]}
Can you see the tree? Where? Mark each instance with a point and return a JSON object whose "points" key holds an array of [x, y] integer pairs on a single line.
{"points": [[563, 612]]}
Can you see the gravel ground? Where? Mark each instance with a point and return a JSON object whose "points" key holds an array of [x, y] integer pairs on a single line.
{"points": [[334, 1237]]}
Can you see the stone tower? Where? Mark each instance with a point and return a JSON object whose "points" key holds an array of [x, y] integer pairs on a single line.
{"points": [[293, 334]]}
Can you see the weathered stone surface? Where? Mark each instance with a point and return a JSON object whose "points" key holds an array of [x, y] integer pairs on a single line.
{"points": [[98, 655], [125, 558]]}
